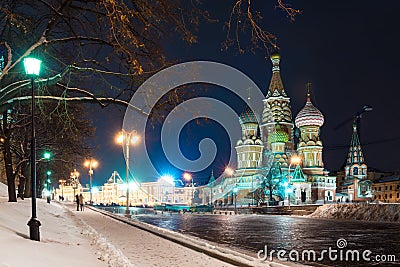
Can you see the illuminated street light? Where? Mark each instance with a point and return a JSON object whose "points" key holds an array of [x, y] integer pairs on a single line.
{"points": [[296, 160], [127, 138], [75, 179], [62, 182], [188, 177], [91, 163], [32, 69], [47, 156], [229, 171], [171, 180]]}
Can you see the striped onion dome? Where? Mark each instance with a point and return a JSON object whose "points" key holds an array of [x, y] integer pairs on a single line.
{"points": [[279, 136], [247, 116], [309, 115]]}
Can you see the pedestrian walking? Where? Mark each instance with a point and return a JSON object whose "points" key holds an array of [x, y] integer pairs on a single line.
{"points": [[81, 201], [77, 202]]}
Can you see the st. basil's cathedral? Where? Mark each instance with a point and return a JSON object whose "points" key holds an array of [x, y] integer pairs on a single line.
{"points": [[272, 167]]}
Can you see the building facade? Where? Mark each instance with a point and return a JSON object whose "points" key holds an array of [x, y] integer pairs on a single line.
{"points": [[113, 191], [265, 169], [355, 185], [387, 189]]}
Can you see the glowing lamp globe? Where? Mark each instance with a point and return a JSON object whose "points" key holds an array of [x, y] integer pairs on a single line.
{"points": [[168, 178], [32, 66], [47, 155], [187, 176]]}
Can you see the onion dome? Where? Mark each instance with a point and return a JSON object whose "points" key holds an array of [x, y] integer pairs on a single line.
{"points": [[275, 55], [309, 115], [248, 116], [279, 136]]}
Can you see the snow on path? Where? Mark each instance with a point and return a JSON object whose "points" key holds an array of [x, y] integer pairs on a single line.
{"points": [[62, 243], [143, 248]]}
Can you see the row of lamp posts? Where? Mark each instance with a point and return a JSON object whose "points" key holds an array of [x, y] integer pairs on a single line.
{"points": [[32, 70]]}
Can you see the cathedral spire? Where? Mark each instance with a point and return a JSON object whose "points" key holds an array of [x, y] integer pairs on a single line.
{"points": [[308, 92], [212, 178], [355, 155], [276, 85]]}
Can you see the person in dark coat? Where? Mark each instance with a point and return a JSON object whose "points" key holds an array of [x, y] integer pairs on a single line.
{"points": [[81, 201], [77, 202]]}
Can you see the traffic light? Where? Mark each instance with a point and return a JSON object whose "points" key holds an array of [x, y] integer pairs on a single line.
{"points": [[48, 173]]}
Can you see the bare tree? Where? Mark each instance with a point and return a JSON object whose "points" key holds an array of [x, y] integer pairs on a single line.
{"points": [[93, 51]]}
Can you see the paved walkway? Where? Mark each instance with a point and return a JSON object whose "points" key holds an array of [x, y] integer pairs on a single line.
{"points": [[142, 248]]}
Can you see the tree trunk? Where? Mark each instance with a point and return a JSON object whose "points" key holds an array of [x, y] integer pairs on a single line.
{"points": [[12, 197], [22, 181], [7, 155]]}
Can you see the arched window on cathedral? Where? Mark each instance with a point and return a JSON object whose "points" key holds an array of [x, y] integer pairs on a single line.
{"points": [[355, 171]]}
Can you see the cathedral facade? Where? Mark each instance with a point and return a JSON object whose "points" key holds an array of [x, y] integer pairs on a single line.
{"points": [[271, 165]]}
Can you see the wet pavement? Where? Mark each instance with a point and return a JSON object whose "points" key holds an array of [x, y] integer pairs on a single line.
{"points": [[253, 232]]}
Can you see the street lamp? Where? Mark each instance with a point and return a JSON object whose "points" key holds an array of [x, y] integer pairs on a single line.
{"points": [[62, 181], [127, 138], [32, 69], [48, 173], [74, 177], [188, 177], [229, 171], [235, 190], [91, 163], [171, 180], [47, 156], [293, 160]]}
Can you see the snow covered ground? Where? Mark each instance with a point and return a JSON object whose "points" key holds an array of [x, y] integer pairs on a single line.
{"points": [[88, 238], [62, 242], [364, 212]]}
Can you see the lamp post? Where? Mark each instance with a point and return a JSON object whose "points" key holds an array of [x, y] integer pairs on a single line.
{"points": [[32, 69], [170, 180], [62, 181], [48, 173], [235, 190], [47, 156], [91, 163], [293, 160], [188, 177], [74, 177], [127, 138], [230, 172]]}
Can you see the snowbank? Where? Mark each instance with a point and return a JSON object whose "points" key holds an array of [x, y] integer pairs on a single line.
{"points": [[65, 240], [363, 212], [3, 190]]}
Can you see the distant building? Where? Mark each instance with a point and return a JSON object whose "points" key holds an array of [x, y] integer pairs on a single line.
{"points": [[355, 185], [113, 191], [387, 189]]}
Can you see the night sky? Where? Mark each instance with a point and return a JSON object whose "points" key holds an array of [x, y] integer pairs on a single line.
{"points": [[348, 50]]}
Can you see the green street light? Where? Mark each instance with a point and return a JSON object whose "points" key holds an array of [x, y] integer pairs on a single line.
{"points": [[32, 69], [47, 155], [32, 66], [48, 173]]}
